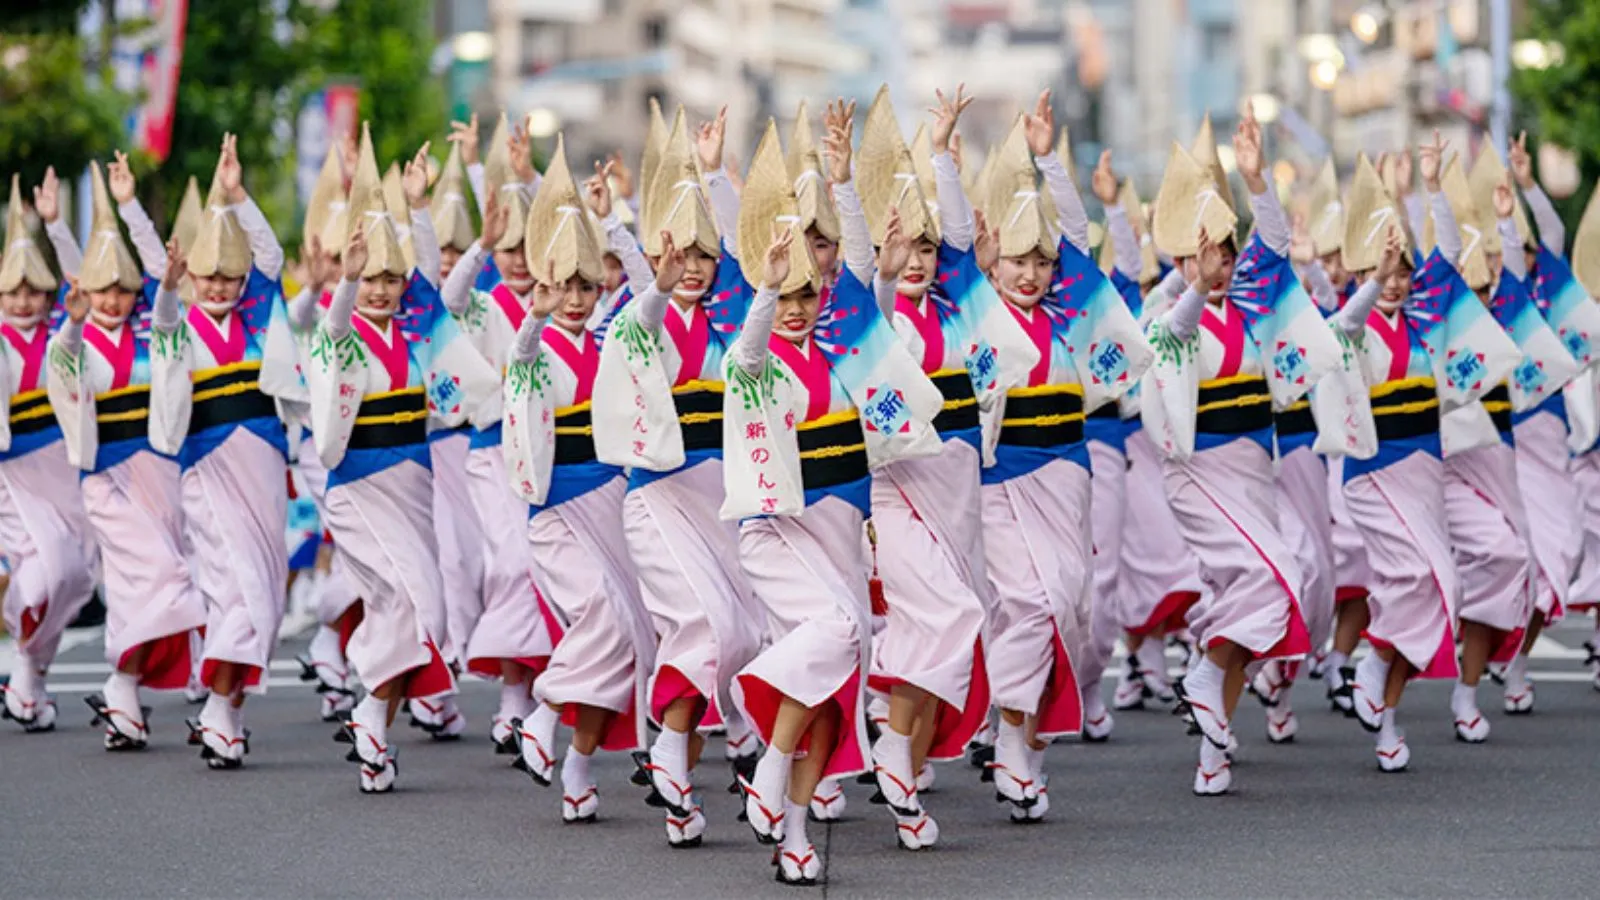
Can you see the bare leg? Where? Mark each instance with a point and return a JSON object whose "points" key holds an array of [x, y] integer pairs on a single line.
{"points": [[592, 722], [1535, 626], [1475, 640], [905, 702], [1400, 672], [792, 720], [924, 732], [1352, 617], [133, 660], [806, 773]]}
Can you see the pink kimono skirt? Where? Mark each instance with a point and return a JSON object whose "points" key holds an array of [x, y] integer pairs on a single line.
{"points": [[44, 533]]}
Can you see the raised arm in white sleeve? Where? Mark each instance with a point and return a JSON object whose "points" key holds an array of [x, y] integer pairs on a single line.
{"points": [[425, 245], [68, 253], [525, 348], [1323, 293], [1445, 230], [724, 204], [1124, 244], [264, 246], [152, 253], [1353, 317], [475, 178], [1416, 215], [750, 348], [650, 304], [457, 289], [855, 237], [1183, 319], [167, 314], [70, 337], [303, 310], [620, 241], [1514, 261], [337, 321], [957, 226], [1552, 233], [1272, 224], [1070, 216]]}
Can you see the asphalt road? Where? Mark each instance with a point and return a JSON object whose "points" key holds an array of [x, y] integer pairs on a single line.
{"points": [[1516, 817]]}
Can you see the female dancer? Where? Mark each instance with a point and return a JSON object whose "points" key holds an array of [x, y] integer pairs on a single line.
{"points": [[380, 494], [661, 372], [596, 675], [207, 407], [1036, 495], [1223, 494], [46, 537], [100, 390], [796, 469]]}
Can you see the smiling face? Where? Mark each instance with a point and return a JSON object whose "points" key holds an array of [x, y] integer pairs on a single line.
{"points": [[699, 272], [448, 257], [24, 307], [216, 294], [614, 272], [824, 251], [1025, 278], [797, 314], [1333, 264], [919, 270], [112, 306], [513, 266], [578, 299], [378, 297]]}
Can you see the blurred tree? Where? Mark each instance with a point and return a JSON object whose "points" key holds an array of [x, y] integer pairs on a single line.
{"points": [[1559, 102], [51, 112]]}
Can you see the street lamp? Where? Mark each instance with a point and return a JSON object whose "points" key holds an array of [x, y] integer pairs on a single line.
{"points": [[1324, 74], [1366, 22]]}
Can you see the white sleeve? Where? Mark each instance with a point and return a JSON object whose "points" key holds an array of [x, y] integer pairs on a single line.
{"points": [[337, 321], [651, 305], [1511, 244], [167, 315], [1271, 222], [1183, 319], [1071, 218], [1416, 216], [303, 310], [887, 292], [71, 337], [620, 241], [475, 178], [525, 349], [724, 204], [1445, 230], [750, 348], [1322, 289], [457, 289], [425, 245], [264, 244], [1552, 233], [956, 222], [152, 253], [1124, 244], [68, 253], [1353, 317], [855, 237]]}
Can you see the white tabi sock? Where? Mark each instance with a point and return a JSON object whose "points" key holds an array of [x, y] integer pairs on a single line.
{"points": [[122, 693], [1373, 672], [372, 714], [794, 827], [575, 772], [1517, 671], [515, 702], [1387, 733], [215, 713], [1463, 699], [671, 752], [1336, 661]]}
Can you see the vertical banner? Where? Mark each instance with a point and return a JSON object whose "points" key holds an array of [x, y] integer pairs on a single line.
{"points": [[327, 115], [147, 61]]}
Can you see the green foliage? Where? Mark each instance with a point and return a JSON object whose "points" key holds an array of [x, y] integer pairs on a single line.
{"points": [[1559, 102], [50, 114]]}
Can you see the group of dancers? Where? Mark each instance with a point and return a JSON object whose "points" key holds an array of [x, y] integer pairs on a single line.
{"points": [[861, 458]]}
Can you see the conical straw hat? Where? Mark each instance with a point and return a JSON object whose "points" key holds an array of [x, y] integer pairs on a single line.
{"points": [[922, 162], [187, 223], [451, 219], [768, 205], [1204, 151], [1325, 218], [20, 261], [1370, 214], [654, 140], [325, 212], [107, 260], [677, 197], [810, 181], [368, 211], [561, 235], [1187, 203], [1014, 187], [1488, 171], [394, 198]]}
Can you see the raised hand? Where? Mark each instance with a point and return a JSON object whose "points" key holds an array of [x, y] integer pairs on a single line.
{"points": [[1040, 126], [1301, 248], [955, 149], [465, 134], [708, 141], [776, 268], [1104, 181], [1402, 173], [415, 178], [839, 120], [597, 189], [494, 223], [76, 301], [47, 196], [120, 176], [355, 255], [1393, 250], [321, 269], [986, 242], [1521, 162], [546, 296], [1208, 259], [670, 267], [945, 116], [896, 249], [1430, 162], [1247, 150], [229, 173], [177, 266], [521, 156], [621, 176], [1504, 201]]}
